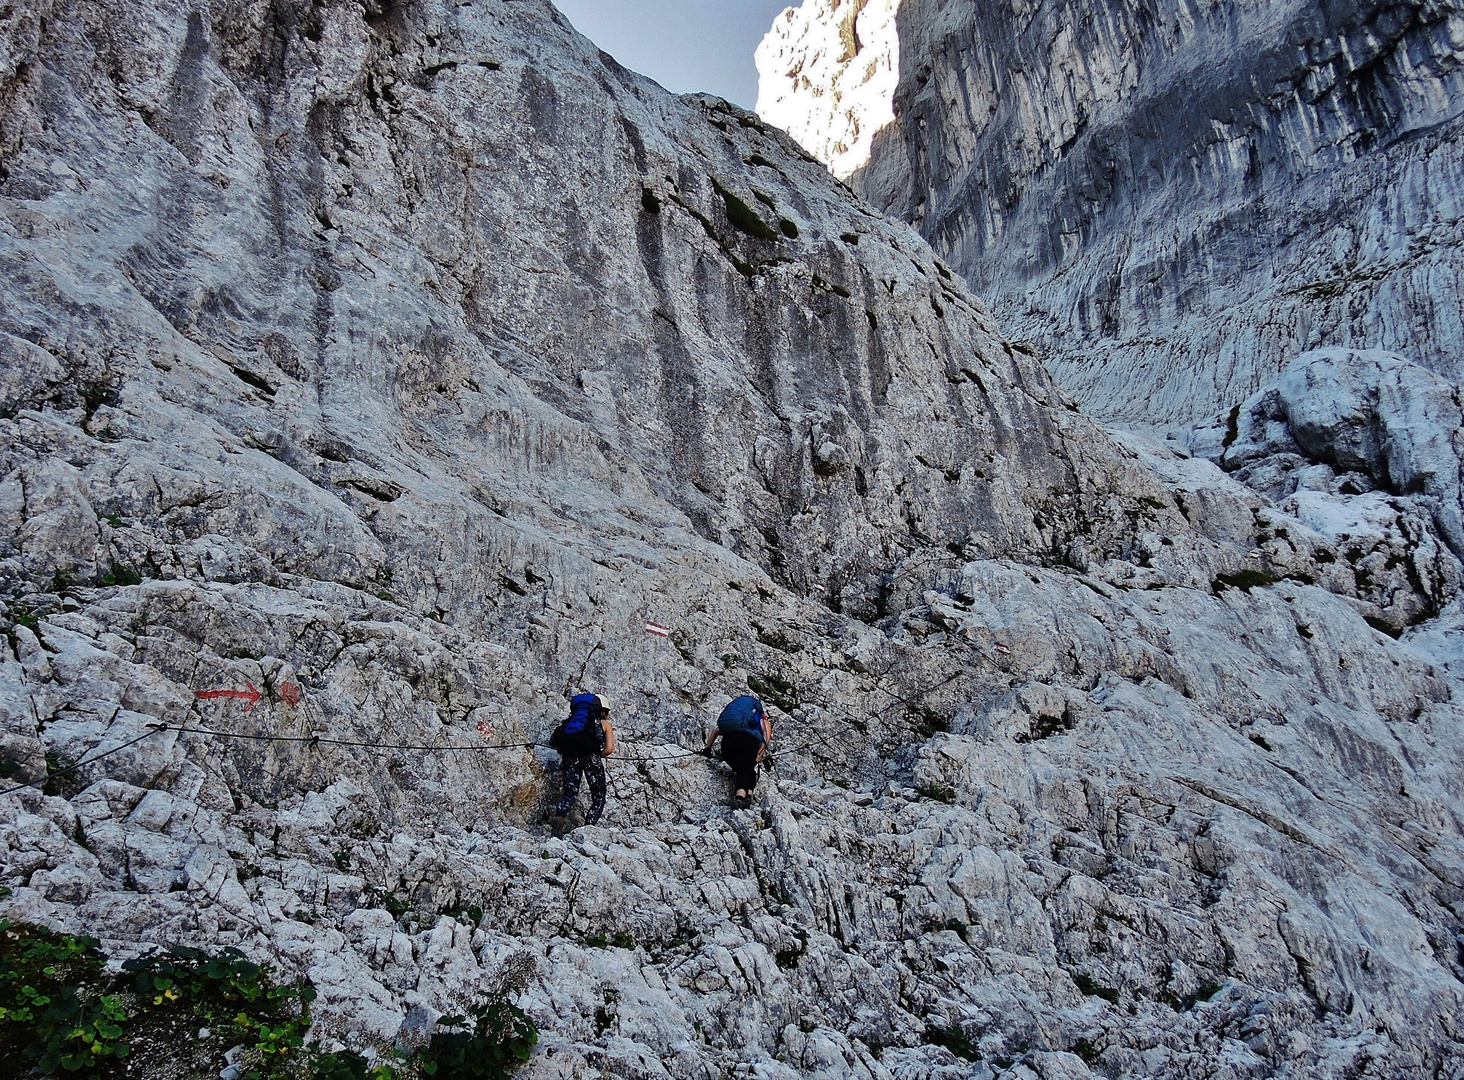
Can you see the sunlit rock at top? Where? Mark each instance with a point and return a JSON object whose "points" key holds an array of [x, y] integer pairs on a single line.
{"points": [[827, 76]]}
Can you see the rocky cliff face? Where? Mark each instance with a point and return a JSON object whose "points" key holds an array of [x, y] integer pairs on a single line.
{"points": [[1174, 201], [399, 362]]}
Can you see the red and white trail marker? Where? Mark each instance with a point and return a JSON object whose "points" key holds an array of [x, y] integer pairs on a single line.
{"points": [[657, 629]]}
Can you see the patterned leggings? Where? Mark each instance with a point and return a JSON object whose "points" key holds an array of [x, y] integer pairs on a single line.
{"points": [[592, 766]]}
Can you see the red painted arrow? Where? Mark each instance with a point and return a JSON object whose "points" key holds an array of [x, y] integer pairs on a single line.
{"points": [[251, 695]]}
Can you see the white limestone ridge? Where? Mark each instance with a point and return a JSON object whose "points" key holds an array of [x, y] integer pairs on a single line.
{"points": [[827, 76]]}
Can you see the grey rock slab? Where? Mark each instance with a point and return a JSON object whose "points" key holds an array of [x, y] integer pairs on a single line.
{"points": [[1373, 413]]}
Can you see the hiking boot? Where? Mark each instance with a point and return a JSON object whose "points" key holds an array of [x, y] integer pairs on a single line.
{"points": [[558, 824]]}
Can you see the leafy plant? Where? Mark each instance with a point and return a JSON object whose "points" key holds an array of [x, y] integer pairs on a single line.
{"points": [[22, 615], [938, 790], [228, 992], [1092, 988], [929, 722], [497, 1038], [120, 575], [58, 768], [53, 1011], [774, 689], [1045, 726], [1086, 1050]]}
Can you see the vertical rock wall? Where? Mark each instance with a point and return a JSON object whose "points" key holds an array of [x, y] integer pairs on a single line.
{"points": [[1172, 201]]}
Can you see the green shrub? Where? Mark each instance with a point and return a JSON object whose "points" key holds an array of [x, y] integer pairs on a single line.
{"points": [[120, 575], [937, 790], [61, 1014], [742, 217], [54, 1012], [1092, 988], [22, 615], [954, 1039], [497, 1038], [929, 722], [772, 688], [1085, 1049]]}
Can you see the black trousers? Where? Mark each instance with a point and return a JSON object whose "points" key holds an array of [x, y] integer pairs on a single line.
{"points": [[592, 768], [740, 750]]}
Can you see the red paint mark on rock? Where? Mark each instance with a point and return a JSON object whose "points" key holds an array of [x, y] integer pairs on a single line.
{"points": [[250, 695], [485, 729], [290, 693]]}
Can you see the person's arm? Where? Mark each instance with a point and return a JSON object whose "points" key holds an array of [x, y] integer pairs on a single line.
{"points": [[711, 739], [609, 730], [767, 737]]}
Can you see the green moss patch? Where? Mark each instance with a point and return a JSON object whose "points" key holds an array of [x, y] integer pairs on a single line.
{"points": [[744, 218]]}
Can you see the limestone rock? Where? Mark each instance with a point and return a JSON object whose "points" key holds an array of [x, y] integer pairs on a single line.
{"points": [[1170, 203], [829, 73], [1375, 414], [416, 357]]}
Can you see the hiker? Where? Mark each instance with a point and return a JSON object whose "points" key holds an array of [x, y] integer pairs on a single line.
{"points": [[746, 734], [582, 740]]}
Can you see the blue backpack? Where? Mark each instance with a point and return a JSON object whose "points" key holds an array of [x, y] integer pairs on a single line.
{"points": [[581, 734], [745, 715]]}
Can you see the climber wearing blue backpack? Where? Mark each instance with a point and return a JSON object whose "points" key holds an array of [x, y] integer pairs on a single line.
{"points": [[746, 734], [582, 741]]}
